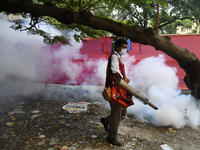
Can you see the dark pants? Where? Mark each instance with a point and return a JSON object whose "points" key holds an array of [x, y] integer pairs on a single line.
{"points": [[114, 119]]}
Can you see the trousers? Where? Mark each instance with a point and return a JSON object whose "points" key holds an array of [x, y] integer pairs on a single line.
{"points": [[114, 119]]}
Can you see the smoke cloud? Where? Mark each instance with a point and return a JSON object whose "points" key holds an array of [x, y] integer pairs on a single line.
{"points": [[159, 83], [24, 60]]}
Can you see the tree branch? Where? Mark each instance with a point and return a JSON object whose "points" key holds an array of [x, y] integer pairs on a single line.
{"points": [[134, 33], [92, 5], [80, 8], [171, 21], [87, 4], [133, 16], [99, 8], [168, 22], [33, 23]]}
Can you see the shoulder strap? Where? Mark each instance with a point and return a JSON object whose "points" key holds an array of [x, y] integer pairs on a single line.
{"points": [[121, 68]]}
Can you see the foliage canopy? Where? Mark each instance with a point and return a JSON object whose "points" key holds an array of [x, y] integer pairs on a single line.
{"points": [[131, 12]]}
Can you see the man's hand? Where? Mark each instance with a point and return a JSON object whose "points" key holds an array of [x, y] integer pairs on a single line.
{"points": [[127, 80], [117, 76]]}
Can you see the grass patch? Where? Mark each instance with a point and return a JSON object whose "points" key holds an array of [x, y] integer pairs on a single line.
{"points": [[186, 92]]}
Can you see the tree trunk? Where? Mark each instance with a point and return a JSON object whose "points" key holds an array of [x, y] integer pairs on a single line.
{"points": [[187, 60]]}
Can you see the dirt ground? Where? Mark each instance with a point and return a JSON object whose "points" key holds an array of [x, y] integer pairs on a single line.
{"points": [[36, 123]]}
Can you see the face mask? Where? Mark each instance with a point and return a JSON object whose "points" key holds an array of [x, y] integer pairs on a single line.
{"points": [[123, 51]]}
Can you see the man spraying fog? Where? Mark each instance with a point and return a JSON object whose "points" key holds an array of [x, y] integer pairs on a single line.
{"points": [[115, 70]]}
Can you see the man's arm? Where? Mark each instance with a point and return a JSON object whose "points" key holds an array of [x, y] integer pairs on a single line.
{"points": [[115, 69], [117, 76], [115, 66]]}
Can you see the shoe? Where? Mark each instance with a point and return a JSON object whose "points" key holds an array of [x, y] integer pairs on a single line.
{"points": [[114, 141], [105, 125]]}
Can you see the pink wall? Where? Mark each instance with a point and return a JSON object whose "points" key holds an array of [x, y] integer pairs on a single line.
{"points": [[101, 48]]}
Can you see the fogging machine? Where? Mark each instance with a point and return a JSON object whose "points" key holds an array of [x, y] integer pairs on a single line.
{"points": [[133, 92]]}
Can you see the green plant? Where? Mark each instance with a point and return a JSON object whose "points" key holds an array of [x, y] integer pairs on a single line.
{"points": [[185, 116]]}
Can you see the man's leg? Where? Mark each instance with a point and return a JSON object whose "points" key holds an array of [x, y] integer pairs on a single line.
{"points": [[105, 121], [115, 118], [123, 112], [111, 123]]}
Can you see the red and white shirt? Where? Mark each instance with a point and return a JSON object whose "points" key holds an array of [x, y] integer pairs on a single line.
{"points": [[116, 66]]}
